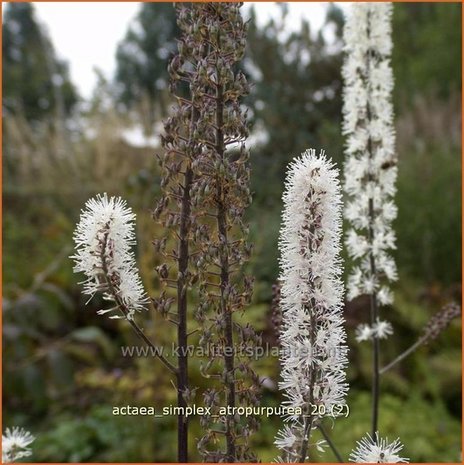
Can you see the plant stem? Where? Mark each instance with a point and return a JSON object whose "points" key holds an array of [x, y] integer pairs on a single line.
{"points": [[374, 311], [182, 375], [182, 283], [375, 339], [306, 437], [309, 421], [403, 355], [125, 311], [224, 282], [330, 443], [147, 341]]}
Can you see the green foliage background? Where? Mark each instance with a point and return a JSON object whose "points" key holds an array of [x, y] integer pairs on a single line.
{"points": [[62, 366]]}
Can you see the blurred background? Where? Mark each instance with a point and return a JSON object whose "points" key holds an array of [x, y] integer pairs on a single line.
{"points": [[70, 132]]}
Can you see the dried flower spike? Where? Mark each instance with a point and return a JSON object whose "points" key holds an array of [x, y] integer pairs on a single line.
{"points": [[104, 237], [312, 336], [441, 320], [438, 323], [15, 444], [212, 145], [378, 451]]}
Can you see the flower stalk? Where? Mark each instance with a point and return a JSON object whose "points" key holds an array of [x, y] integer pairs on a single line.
{"points": [[221, 195], [314, 353], [370, 167], [175, 209], [104, 237]]}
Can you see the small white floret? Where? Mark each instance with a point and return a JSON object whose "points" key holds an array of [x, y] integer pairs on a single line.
{"points": [[15, 444], [377, 451]]}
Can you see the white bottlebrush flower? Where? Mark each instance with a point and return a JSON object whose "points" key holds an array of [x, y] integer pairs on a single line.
{"points": [[378, 451], [104, 238], [314, 353], [15, 444], [370, 168]]}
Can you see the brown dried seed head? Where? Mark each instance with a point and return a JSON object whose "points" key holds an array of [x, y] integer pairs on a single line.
{"points": [[441, 320]]}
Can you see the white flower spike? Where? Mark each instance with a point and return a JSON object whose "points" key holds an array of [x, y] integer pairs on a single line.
{"points": [[104, 237], [314, 353], [370, 168], [15, 444], [378, 451]]}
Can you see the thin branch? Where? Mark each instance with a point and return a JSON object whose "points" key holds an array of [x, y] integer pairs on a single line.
{"points": [[142, 335], [125, 312], [330, 443], [403, 355]]}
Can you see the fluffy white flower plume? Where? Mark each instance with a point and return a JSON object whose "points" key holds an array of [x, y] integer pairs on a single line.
{"points": [[370, 168], [15, 444], [104, 237], [378, 451], [314, 354]]}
